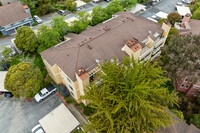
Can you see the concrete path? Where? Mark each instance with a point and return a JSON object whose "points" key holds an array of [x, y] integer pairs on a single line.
{"points": [[76, 114]]}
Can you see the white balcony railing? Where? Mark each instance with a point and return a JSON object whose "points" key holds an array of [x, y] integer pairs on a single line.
{"points": [[159, 42], [146, 53], [156, 55], [156, 50]]}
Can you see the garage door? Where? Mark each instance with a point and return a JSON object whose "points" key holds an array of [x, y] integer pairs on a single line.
{"points": [[10, 31]]}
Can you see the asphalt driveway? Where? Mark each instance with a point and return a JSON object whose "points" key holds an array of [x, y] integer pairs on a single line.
{"points": [[20, 116]]}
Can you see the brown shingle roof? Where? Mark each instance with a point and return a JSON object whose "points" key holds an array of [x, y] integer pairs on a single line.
{"points": [[103, 42], [11, 13]]}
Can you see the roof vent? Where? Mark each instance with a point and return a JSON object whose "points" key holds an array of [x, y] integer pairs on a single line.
{"points": [[79, 70], [89, 47], [96, 60], [149, 32]]}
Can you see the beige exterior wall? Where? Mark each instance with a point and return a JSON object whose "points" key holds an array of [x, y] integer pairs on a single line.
{"points": [[166, 29], [151, 42], [136, 54]]}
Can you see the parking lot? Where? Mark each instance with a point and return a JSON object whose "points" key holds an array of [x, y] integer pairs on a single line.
{"points": [[166, 6], [20, 116]]}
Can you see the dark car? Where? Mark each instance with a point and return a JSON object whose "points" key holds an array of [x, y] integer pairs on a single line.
{"points": [[62, 12], [8, 94]]}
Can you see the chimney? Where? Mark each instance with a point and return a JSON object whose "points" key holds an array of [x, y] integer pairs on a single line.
{"points": [[185, 19]]}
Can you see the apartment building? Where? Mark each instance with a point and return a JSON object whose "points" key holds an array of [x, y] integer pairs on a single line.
{"points": [[188, 26], [75, 62]]}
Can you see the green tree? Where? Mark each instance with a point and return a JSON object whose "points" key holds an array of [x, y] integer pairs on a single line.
{"points": [[59, 25], [129, 98], [198, 99], [80, 25], [160, 21], [6, 52], [182, 58], [84, 17], [99, 15], [196, 120], [23, 80], [47, 38], [196, 14], [178, 113], [173, 32], [174, 17], [128, 4], [70, 5], [113, 7], [1, 3], [44, 7], [26, 40]]}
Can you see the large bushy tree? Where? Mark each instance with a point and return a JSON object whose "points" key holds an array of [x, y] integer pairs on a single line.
{"points": [[181, 57], [113, 7], [129, 98], [99, 15], [128, 4], [80, 25], [174, 17], [59, 25], [26, 40], [23, 80], [6, 52], [47, 38], [70, 5], [44, 7]]}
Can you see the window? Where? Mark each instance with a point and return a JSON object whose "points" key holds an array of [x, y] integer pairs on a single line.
{"points": [[69, 80], [196, 94], [186, 79], [72, 93], [182, 85], [71, 87], [186, 87]]}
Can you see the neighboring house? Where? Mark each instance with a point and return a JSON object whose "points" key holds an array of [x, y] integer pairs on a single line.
{"points": [[13, 16], [75, 62], [179, 127], [185, 27]]}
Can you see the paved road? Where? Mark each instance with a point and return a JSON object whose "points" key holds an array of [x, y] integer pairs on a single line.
{"points": [[20, 116], [166, 6]]}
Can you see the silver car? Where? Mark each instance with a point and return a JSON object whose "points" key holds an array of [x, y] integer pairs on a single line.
{"points": [[37, 19]]}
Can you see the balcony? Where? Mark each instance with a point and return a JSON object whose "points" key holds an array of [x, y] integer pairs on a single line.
{"points": [[159, 42], [156, 50], [156, 55], [145, 51]]}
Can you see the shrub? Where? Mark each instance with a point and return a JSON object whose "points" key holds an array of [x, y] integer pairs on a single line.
{"points": [[160, 21], [82, 105], [196, 120], [88, 111], [38, 62], [178, 113]]}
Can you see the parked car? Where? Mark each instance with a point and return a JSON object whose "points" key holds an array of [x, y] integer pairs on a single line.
{"points": [[44, 93], [62, 12], [8, 94], [186, 1], [178, 4], [37, 129], [37, 19]]}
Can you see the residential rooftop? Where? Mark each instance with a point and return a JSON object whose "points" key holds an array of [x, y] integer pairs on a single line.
{"points": [[101, 42], [11, 13]]}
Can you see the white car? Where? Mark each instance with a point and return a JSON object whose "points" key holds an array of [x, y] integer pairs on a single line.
{"points": [[44, 93], [186, 1], [37, 19], [37, 129]]}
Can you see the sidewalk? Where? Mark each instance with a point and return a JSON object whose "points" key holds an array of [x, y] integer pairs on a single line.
{"points": [[77, 115]]}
